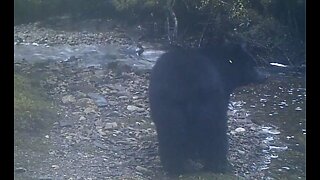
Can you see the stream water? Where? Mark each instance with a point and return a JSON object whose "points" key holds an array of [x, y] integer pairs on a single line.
{"points": [[280, 108]]}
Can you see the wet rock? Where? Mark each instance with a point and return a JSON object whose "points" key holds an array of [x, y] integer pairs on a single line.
{"points": [[278, 148], [55, 166], [142, 169], [283, 103], [240, 114], [45, 178], [18, 40], [240, 129], [71, 59], [113, 114], [68, 99], [83, 102], [264, 146], [20, 170], [290, 137], [269, 130], [98, 99], [65, 123], [99, 123], [51, 80], [117, 87], [241, 152], [34, 44], [134, 108], [111, 125], [101, 131], [263, 100], [89, 110], [81, 94], [99, 145], [113, 103], [123, 97], [99, 73], [286, 168], [135, 97]]}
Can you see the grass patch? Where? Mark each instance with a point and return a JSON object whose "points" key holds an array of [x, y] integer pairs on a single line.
{"points": [[33, 111]]}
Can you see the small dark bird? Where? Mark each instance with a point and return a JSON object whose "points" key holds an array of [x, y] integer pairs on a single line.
{"points": [[139, 49]]}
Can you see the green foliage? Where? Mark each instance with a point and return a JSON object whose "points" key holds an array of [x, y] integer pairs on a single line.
{"points": [[264, 22], [33, 10], [136, 11], [124, 5], [32, 111]]}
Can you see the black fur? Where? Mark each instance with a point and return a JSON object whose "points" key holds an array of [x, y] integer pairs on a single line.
{"points": [[189, 94]]}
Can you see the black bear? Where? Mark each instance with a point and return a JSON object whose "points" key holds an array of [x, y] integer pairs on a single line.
{"points": [[189, 92]]}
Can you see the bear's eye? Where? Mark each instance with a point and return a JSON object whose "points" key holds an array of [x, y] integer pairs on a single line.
{"points": [[230, 61]]}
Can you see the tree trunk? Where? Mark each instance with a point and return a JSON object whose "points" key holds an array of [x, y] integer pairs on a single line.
{"points": [[172, 30]]}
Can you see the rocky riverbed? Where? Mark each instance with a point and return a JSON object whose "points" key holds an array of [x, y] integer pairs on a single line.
{"points": [[104, 130]]}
